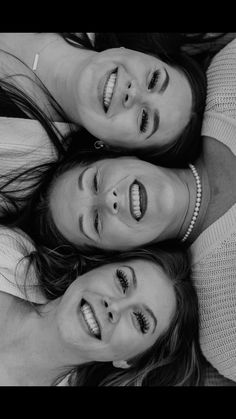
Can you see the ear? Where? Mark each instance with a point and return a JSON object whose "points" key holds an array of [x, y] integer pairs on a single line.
{"points": [[121, 364]]}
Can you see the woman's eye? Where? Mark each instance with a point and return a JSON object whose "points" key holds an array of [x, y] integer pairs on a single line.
{"points": [[154, 79], [144, 121], [143, 322], [96, 222], [95, 182], [123, 279]]}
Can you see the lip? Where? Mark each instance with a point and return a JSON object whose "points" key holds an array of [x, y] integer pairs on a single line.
{"points": [[101, 87], [86, 326], [110, 111], [143, 200]]}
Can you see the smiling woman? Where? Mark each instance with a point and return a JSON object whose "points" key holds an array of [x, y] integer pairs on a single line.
{"points": [[110, 208], [132, 321], [140, 98], [126, 98], [99, 204]]}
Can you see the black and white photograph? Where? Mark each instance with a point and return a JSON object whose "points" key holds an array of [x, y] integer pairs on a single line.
{"points": [[117, 209]]}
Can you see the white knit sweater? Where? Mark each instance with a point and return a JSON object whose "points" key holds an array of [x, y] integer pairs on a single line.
{"points": [[214, 251]]}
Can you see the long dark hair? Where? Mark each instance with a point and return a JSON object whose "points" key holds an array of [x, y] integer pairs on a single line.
{"points": [[169, 48], [175, 359], [25, 205]]}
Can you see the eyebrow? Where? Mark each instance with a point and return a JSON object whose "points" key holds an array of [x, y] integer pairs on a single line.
{"points": [[134, 278], [150, 312], [156, 121], [81, 226], [165, 83], [80, 180]]}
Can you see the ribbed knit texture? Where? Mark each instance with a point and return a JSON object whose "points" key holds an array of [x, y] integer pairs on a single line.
{"points": [[214, 252]]}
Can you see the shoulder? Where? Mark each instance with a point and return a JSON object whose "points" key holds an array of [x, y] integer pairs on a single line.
{"points": [[213, 378], [15, 240], [221, 82], [224, 62], [17, 277]]}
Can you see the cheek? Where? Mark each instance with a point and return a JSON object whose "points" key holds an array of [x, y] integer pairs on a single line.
{"points": [[124, 342], [118, 130], [123, 235], [130, 344]]}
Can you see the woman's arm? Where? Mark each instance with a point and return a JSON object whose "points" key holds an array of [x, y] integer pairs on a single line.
{"points": [[214, 379], [221, 82]]}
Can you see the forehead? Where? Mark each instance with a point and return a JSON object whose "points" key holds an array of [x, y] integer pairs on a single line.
{"points": [[124, 162], [127, 54], [147, 272]]}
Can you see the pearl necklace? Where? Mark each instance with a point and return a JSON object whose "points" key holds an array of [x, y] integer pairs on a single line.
{"points": [[198, 202]]}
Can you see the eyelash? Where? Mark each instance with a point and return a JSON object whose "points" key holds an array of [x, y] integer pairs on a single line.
{"points": [[144, 121], [96, 222], [152, 84], [96, 218], [123, 279], [142, 321], [95, 182], [154, 79]]}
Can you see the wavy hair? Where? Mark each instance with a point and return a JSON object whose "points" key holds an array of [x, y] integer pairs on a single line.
{"points": [[175, 359], [168, 47]]}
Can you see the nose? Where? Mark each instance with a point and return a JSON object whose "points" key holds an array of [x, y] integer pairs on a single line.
{"points": [[132, 94], [109, 199], [114, 308]]}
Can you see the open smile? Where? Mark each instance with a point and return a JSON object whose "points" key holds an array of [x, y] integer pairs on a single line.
{"points": [[90, 319], [109, 89], [138, 200]]}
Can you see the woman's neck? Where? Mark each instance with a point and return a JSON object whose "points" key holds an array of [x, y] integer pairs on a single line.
{"points": [[56, 63], [31, 352]]}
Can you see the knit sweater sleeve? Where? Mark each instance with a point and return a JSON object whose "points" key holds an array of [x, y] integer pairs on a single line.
{"points": [[214, 251], [220, 111], [214, 379], [16, 277]]}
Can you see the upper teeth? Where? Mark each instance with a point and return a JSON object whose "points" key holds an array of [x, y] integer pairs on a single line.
{"points": [[90, 319], [108, 90], [135, 196]]}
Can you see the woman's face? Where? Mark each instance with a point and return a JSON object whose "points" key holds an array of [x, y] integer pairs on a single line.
{"points": [[116, 311], [115, 203], [131, 99]]}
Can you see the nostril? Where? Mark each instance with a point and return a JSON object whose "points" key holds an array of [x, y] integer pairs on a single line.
{"points": [[129, 85], [105, 304], [126, 98], [114, 193], [115, 205], [110, 315]]}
